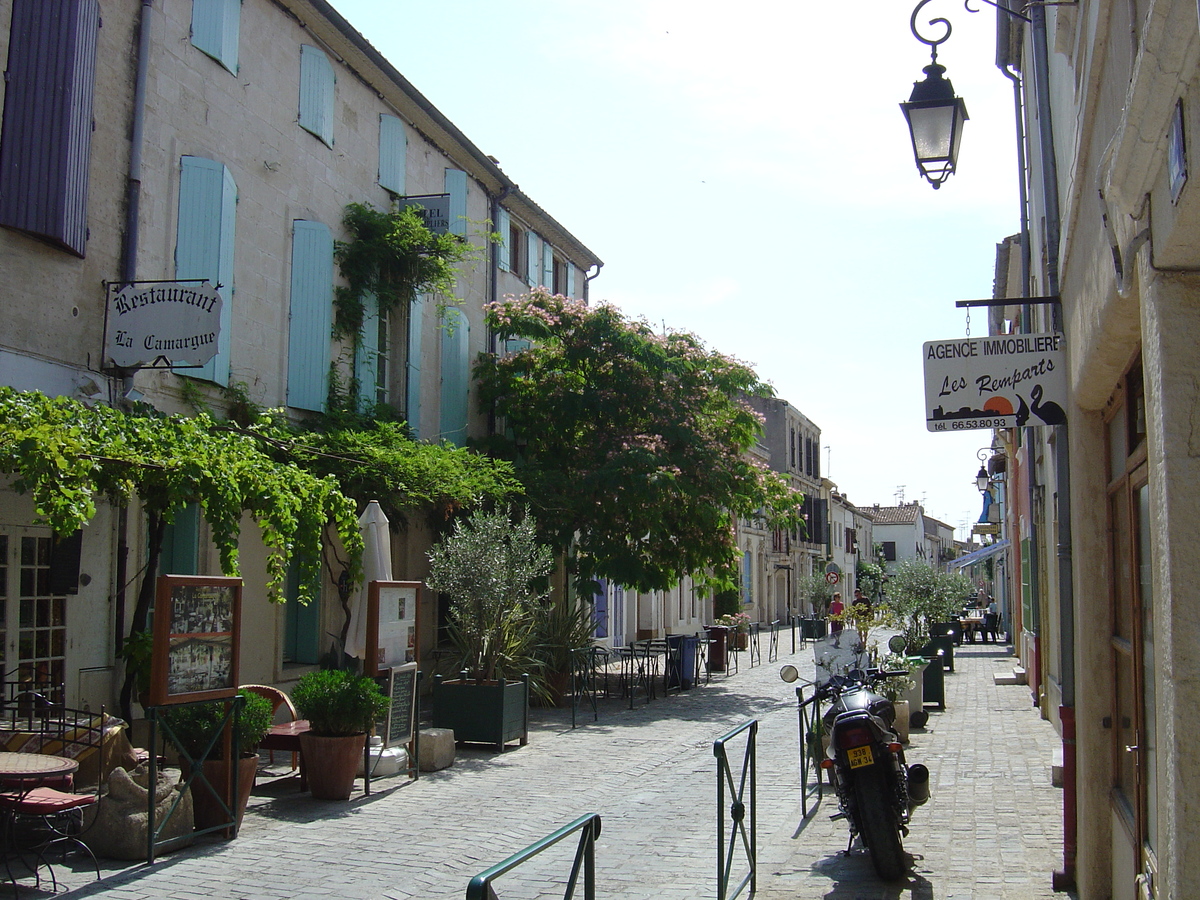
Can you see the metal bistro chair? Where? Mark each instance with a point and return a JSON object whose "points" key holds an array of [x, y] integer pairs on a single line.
{"points": [[42, 816], [702, 639]]}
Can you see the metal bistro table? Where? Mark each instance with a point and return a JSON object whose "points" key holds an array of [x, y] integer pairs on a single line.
{"points": [[24, 772]]}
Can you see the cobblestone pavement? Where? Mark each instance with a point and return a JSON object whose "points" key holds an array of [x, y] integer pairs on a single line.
{"points": [[991, 830]]}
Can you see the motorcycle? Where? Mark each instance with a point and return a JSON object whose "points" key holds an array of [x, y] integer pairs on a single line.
{"points": [[876, 790]]}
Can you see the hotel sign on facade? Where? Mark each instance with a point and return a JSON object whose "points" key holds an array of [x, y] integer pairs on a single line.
{"points": [[995, 381], [170, 321]]}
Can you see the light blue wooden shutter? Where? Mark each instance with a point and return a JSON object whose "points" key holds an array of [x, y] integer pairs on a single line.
{"points": [[302, 623], [456, 187], [215, 29], [548, 265], [316, 93], [393, 154], [533, 246], [311, 315], [570, 279], [181, 543], [455, 378], [366, 363], [502, 227], [412, 399], [204, 245]]}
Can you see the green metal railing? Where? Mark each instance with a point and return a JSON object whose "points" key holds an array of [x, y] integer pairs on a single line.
{"points": [[742, 806], [588, 827], [227, 734], [811, 749]]}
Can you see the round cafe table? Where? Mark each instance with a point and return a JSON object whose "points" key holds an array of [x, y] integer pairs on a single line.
{"points": [[33, 768]]}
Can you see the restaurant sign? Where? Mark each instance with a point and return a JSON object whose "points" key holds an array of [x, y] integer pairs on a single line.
{"points": [[172, 321], [996, 381]]}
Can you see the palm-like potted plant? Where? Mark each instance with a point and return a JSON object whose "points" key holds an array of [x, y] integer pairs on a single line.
{"points": [[196, 728], [559, 629], [489, 567], [340, 708]]}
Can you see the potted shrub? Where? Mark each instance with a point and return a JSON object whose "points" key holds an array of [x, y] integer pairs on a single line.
{"points": [[195, 726], [489, 567], [739, 624], [558, 629], [340, 708]]}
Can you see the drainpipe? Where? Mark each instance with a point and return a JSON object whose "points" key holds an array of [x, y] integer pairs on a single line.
{"points": [[587, 282], [1064, 879], [129, 273], [1004, 26]]}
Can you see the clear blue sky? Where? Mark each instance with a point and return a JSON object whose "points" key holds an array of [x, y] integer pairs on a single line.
{"points": [[744, 171]]}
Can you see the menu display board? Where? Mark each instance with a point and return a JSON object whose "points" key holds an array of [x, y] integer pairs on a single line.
{"points": [[197, 623], [393, 633], [402, 705]]}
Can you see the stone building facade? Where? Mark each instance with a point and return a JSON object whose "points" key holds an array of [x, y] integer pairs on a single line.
{"points": [[229, 137]]}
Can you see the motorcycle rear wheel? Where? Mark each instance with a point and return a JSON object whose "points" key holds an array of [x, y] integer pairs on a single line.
{"points": [[877, 824]]}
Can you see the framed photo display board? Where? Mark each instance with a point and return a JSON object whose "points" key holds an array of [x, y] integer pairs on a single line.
{"points": [[197, 636], [393, 625]]}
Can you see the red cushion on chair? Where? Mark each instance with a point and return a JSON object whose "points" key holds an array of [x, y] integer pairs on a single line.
{"points": [[44, 801]]}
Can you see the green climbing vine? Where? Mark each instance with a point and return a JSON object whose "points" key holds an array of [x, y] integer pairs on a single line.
{"points": [[65, 454], [393, 256]]}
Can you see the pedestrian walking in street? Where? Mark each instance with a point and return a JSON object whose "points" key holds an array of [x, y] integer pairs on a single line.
{"points": [[836, 608]]}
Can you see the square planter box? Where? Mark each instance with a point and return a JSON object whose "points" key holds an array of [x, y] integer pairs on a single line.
{"points": [[493, 712]]}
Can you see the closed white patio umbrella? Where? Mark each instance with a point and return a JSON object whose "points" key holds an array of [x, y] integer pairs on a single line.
{"points": [[377, 566]]}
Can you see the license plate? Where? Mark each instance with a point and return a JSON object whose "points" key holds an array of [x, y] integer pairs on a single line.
{"points": [[860, 756]]}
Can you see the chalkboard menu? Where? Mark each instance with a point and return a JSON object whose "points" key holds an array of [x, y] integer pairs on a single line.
{"points": [[402, 705]]}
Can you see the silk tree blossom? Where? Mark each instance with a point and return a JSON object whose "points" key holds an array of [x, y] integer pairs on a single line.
{"points": [[618, 431]]}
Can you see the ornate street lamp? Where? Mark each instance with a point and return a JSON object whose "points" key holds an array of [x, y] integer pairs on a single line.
{"points": [[935, 115]]}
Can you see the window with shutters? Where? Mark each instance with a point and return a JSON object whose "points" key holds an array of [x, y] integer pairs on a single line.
{"points": [[316, 93], [456, 371], [517, 253], [379, 358], [204, 246], [393, 154], [311, 315], [46, 136], [215, 29]]}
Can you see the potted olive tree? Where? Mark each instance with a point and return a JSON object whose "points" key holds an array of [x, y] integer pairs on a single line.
{"points": [[196, 728], [340, 708], [489, 566]]}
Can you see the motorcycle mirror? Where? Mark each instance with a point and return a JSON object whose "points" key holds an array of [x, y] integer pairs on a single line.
{"points": [[789, 674], [897, 644]]}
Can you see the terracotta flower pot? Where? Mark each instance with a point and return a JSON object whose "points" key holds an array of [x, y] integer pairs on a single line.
{"points": [[205, 802], [331, 764]]}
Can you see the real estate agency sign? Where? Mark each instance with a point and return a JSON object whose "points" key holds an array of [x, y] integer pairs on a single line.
{"points": [[173, 321], [996, 381]]}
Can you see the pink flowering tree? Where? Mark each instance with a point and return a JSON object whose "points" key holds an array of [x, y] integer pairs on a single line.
{"points": [[632, 445]]}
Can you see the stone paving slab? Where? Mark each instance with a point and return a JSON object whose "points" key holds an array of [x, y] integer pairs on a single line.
{"points": [[993, 828]]}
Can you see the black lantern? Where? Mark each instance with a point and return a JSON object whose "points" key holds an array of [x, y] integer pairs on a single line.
{"points": [[982, 481], [935, 120], [935, 116]]}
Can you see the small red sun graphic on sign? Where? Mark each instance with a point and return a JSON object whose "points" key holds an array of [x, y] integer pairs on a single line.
{"points": [[998, 405]]}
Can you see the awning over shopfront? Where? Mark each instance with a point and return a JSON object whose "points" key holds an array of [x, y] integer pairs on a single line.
{"points": [[979, 555]]}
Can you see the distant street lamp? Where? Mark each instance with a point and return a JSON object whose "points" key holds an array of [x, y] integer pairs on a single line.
{"points": [[934, 114]]}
